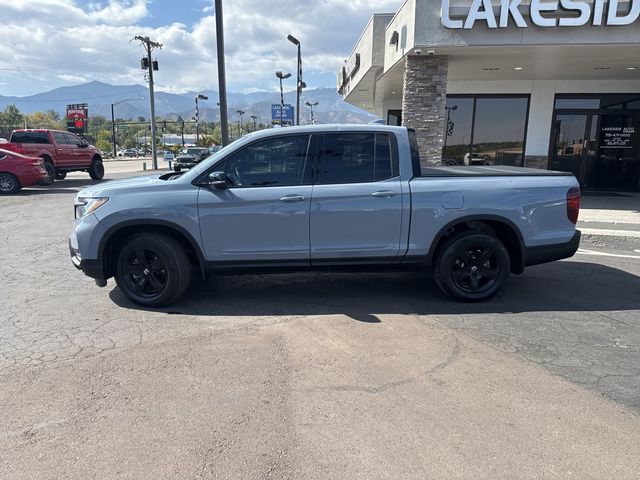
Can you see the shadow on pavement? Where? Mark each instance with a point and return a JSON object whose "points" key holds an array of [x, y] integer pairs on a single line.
{"points": [[560, 286]]}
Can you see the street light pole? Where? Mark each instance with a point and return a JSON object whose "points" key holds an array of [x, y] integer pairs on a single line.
{"points": [[253, 117], [281, 76], [299, 82], [241, 113], [222, 80], [446, 128], [311, 105], [113, 122], [198, 97]]}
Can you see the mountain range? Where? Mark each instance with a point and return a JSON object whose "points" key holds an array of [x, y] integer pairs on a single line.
{"points": [[99, 96]]}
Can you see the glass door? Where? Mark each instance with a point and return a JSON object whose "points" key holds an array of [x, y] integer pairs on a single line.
{"points": [[614, 160], [569, 147]]}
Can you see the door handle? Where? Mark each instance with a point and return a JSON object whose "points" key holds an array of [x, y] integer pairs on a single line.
{"points": [[384, 193], [292, 198]]}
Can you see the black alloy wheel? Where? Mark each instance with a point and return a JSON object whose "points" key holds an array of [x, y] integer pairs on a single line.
{"points": [[8, 183], [145, 273], [152, 269], [472, 266], [96, 172]]}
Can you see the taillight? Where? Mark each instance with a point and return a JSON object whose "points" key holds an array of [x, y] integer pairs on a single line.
{"points": [[573, 204]]}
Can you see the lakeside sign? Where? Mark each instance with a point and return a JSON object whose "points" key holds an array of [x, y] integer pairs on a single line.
{"points": [[541, 13]]}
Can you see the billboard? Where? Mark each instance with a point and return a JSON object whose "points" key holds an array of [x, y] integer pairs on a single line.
{"points": [[77, 118], [287, 114]]}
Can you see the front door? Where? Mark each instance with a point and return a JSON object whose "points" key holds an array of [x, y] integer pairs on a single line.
{"points": [[356, 205], [262, 217]]}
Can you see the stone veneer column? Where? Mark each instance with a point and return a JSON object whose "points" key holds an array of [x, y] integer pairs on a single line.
{"points": [[424, 97]]}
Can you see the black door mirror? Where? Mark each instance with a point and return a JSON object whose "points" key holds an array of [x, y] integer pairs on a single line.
{"points": [[218, 180]]}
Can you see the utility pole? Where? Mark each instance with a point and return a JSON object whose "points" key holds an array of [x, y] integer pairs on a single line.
{"points": [[253, 117], [222, 79], [151, 65]]}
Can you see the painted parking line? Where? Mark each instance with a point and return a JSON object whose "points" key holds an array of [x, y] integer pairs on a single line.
{"points": [[604, 254]]}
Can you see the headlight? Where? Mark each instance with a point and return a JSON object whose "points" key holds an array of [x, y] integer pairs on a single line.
{"points": [[86, 205]]}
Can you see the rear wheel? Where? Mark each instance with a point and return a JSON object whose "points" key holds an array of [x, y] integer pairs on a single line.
{"points": [[96, 172], [51, 173], [61, 175], [9, 183], [152, 269], [472, 267]]}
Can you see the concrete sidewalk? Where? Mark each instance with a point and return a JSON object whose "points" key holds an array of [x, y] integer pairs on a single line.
{"points": [[612, 215]]}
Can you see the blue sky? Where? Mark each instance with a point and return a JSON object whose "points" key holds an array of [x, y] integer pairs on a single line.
{"points": [[51, 43]]}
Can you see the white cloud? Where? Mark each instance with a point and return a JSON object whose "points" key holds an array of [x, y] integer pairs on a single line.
{"points": [[47, 43]]}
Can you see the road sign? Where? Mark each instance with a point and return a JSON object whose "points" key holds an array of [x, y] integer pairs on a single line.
{"points": [[122, 127], [287, 114]]}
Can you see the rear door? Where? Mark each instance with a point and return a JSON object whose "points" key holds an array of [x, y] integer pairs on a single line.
{"points": [[262, 217], [356, 204], [64, 151]]}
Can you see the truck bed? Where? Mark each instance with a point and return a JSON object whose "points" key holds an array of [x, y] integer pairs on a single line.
{"points": [[489, 171]]}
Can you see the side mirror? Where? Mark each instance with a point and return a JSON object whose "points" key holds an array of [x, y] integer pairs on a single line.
{"points": [[218, 180]]}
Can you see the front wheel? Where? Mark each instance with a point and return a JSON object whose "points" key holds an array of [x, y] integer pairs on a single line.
{"points": [[472, 267], [152, 269], [8, 183], [96, 172]]}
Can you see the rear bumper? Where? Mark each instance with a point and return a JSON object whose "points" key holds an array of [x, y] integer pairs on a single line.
{"points": [[549, 253]]}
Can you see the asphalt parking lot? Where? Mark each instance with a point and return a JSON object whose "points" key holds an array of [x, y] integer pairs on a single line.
{"points": [[313, 375]]}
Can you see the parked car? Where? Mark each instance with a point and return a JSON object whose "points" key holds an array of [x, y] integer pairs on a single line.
{"points": [[128, 152], [62, 152], [324, 197], [18, 171], [190, 157]]}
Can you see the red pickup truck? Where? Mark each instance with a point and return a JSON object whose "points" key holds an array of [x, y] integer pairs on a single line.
{"points": [[61, 151]]}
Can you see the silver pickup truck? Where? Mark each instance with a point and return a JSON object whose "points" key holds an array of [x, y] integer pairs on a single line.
{"points": [[318, 198]]}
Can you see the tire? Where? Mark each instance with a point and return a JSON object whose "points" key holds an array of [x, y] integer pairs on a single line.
{"points": [[61, 175], [51, 173], [152, 269], [472, 267], [9, 183], [96, 172]]}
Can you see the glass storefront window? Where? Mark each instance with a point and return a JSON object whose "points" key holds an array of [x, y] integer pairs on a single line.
{"points": [[499, 129], [605, 101], [485, 130], [457, 142]]}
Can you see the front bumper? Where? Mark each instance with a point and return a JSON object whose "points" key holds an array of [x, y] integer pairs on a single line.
{"points": [[550, 253], [91, 268]]}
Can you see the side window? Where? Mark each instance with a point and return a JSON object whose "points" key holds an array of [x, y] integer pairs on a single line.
{"points": [[30, 137], [354, 158], [272, 162], [71, 139], [59, 137]]}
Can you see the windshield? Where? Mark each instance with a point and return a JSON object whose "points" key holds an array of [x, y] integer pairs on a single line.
{"points": [[195, 151]]}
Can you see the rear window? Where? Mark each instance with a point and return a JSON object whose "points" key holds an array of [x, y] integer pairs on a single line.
{"points": [[30, 137]]}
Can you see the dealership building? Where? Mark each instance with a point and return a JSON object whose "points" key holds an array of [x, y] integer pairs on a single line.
{"points": [[548, 84]]}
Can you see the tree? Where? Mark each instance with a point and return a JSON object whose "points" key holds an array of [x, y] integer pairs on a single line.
{"points": [[11, 117], [48, 119]]}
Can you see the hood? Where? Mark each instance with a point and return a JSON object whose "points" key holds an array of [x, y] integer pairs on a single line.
{"points": [[106, 188]]}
